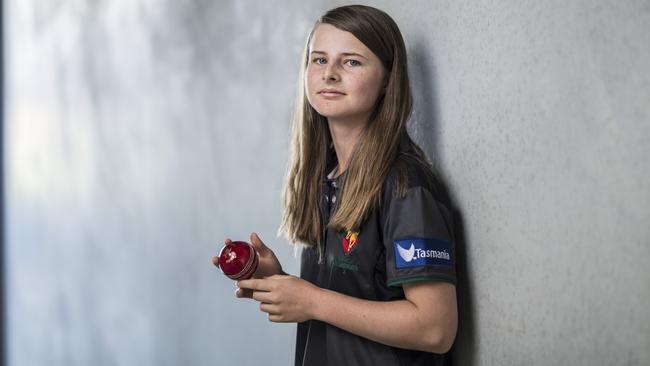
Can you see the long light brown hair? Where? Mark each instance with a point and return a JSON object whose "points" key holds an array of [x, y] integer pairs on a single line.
{"points": [[378, 144]]}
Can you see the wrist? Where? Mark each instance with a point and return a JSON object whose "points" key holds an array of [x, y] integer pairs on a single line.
{"points": [[316, 299]]}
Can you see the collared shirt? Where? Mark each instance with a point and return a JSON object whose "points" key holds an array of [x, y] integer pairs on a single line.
{"points": [[406, 240]]}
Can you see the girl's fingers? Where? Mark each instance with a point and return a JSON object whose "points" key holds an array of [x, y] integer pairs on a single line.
{"points": [[269, 308], [215, 259], [258, 244], [243, 293], [262, 296], [257, 284]]}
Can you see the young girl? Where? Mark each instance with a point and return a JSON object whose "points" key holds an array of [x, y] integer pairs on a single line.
{"points": [[377, 279]]}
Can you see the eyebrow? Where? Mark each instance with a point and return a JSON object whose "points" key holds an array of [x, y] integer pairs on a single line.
{"points": [[344, 54]]}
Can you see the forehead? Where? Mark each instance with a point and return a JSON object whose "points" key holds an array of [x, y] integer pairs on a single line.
{"points": [[328, 38]]}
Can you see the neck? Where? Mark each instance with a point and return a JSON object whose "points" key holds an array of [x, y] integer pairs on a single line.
{"points": [[345, 135]]}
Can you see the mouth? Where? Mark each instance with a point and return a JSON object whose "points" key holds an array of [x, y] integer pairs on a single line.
{"points": [[329, 93]]}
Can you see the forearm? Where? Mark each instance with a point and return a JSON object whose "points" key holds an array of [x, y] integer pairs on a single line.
{"points": [[396, 323]]}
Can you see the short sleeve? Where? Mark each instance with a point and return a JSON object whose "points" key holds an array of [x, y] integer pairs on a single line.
{"points": [[417, 237]]}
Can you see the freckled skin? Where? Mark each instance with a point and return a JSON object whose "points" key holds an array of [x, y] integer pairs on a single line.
{"points": [[359, 77]]}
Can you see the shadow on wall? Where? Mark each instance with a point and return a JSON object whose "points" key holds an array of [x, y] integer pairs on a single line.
{"points": [[426, 110]]}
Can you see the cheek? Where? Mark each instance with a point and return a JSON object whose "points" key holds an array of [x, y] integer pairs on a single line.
{"points": [[311, 85], [368, 88], [308, 81]]}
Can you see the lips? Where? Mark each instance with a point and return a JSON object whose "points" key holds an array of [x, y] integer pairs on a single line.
{"points": [[331, 93]]}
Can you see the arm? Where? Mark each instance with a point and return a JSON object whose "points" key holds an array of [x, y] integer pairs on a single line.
{"points": [[426, 320]]}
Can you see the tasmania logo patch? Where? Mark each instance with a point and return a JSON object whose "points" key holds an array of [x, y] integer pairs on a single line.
{"points": [[349, 241], [417, 252]]}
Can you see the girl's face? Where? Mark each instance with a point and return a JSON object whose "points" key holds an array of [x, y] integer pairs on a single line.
{"points": [[343, 77]]}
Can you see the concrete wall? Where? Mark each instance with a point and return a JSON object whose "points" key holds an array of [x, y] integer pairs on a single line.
{"points": [[139, 134]]}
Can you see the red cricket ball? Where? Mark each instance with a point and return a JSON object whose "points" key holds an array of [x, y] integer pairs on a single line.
{"points": [[238, 260]]}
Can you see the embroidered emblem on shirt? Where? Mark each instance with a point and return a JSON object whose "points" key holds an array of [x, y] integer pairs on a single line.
{"points": [[349, 241], [418, 252], [346, 263]]}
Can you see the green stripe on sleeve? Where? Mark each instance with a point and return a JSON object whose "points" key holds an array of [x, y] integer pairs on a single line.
{"points": [[400, 281]]}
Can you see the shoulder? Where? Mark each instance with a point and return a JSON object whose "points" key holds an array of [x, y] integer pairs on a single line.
{"points": [[408, 173]]}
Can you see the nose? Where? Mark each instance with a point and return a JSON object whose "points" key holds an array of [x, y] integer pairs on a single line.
{"points": [[330, 73]]}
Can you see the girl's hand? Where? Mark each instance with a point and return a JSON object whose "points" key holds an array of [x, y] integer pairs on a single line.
{"points": [[269, 264], [287, 299]]}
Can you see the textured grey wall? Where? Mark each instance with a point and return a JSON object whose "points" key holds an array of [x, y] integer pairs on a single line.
{"points": [[140, 133], [139, 136]]}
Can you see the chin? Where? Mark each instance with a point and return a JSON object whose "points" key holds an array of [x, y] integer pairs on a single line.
{"points": [[333, 111], [329, 113]]}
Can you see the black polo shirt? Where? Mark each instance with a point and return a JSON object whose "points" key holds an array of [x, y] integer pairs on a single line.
{"points": [[406, 240]]}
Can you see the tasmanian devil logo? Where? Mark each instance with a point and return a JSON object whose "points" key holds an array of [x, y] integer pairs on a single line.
{"points": [[349, 241]]}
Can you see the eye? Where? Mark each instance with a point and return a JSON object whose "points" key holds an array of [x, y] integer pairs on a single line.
{"points": [[352, 62], [320, 61]]}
